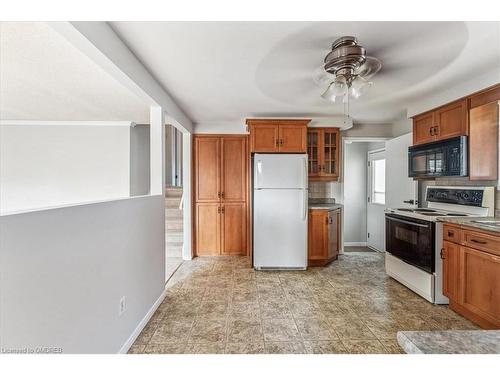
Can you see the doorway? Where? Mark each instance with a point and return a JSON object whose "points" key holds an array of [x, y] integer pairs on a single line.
{"points": [[361, 231], [375, 236]]}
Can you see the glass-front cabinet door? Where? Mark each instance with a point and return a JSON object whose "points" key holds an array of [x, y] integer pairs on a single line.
{"points": [[313, 152], [323, 153], [330, 147]]}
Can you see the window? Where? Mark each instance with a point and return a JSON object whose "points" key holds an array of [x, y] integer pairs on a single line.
{"points": [[378, 181]]}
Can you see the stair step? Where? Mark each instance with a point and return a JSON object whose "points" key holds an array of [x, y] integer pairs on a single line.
{"points": [[172, 203], [172, 213], [173, 192], [175, 226]]}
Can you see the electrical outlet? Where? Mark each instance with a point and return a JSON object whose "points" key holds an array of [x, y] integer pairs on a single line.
{"points": [[122, 307]]}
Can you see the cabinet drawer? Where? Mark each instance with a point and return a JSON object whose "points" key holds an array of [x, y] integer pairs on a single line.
{"points": [[482, 241], [452, 234]]}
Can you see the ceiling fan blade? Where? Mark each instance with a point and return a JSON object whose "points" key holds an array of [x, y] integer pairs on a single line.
{"points": [[322, 77], [369, 68]]}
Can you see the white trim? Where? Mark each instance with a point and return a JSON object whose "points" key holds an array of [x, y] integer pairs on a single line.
{"points": [[376, 151], [347, 244], [137, 331], [65, 123]]}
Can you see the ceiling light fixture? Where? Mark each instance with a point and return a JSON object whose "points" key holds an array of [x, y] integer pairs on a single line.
{"points": [[346, 71]]}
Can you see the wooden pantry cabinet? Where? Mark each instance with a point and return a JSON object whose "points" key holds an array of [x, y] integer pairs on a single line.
{"points": [[220, 174], [444, 122], [471, 274], [278, 135], [323, 150], [323, 236]]}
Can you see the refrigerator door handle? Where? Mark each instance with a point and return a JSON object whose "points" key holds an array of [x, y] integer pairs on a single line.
{"points": [[305, 172], [304, 202], [259, 172]]}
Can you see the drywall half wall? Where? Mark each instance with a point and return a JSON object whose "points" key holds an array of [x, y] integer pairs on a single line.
{"points": [[63, 272], [54, 165]]}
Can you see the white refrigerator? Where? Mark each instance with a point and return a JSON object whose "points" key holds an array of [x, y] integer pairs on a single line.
{"points": [[280, 211]]}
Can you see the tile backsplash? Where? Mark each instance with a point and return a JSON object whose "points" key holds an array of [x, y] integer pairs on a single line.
{"points": [[320, 189]]}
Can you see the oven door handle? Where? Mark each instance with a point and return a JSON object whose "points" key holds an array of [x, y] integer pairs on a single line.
{"points": [[407, 222]]}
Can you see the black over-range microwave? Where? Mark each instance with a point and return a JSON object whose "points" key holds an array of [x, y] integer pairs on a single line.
{"points": [[439, 159]]}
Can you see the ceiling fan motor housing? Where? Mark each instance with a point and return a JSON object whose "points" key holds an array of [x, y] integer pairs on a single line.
{"points": [[346, 56]]}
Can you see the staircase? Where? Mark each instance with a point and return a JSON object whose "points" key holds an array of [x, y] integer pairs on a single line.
{"points": [[174, 224]]}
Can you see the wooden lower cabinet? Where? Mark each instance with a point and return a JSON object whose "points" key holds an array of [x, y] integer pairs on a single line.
{"points": [[323, 237], [208, 229], [451, 270], [480, 272], [471, 275], [220, 209], [233, 230]]}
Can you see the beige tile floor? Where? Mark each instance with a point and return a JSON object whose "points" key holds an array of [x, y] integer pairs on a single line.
{"points": [[220, 305]]}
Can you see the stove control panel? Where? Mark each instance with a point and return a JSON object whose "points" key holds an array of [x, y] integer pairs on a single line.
{"points": [[464, 197]]}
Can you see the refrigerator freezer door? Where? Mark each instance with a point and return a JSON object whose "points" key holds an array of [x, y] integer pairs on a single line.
{"points": [[280, 171], [280, 229]]}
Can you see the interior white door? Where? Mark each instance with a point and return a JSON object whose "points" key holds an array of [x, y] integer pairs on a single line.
{"points": [[375, 216], [401, 190]]}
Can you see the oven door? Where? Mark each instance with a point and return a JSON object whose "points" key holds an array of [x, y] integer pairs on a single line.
{"points": [[411, 240]]}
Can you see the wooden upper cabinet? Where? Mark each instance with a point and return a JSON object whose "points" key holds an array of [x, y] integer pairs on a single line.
{"points": [[207, 169], [272, 135], [483, 141], [264, 138], [234, 169], [451, 120], [323, 148], [445, 122], [450, 254], [292, 138], [424, 128]]}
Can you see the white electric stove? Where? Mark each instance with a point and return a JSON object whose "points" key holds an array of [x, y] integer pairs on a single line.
{"points": [[414, 236]]}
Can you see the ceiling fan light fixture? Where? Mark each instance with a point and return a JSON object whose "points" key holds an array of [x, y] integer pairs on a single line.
{"points": [[346, 70]]}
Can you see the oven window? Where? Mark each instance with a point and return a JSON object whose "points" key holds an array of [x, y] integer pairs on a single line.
{"points": [[411, 240], [405, 235]]}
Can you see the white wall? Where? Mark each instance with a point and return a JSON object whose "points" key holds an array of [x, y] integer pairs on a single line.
{"points": [[64, 270], [139, 160], [53, 165]]}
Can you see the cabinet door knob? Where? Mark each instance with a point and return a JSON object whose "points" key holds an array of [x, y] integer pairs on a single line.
{"points": [[218, 210], [218, 194], [281, 142], [222, 195], [442, 253], [277, 142]]}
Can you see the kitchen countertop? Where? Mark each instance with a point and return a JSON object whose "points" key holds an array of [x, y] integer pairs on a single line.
{"points": [[324, 206], [450, 342], [468, 222]]}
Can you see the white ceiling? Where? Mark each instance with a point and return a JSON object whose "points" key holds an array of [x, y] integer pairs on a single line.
{"points": [[43, 77], [226, 71]]}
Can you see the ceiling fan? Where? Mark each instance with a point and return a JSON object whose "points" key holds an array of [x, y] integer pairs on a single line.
{"points": [[346, 70]]}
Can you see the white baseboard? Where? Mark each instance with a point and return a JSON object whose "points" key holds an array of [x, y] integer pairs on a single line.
{"points": [[346, 244], [124, 349]]}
